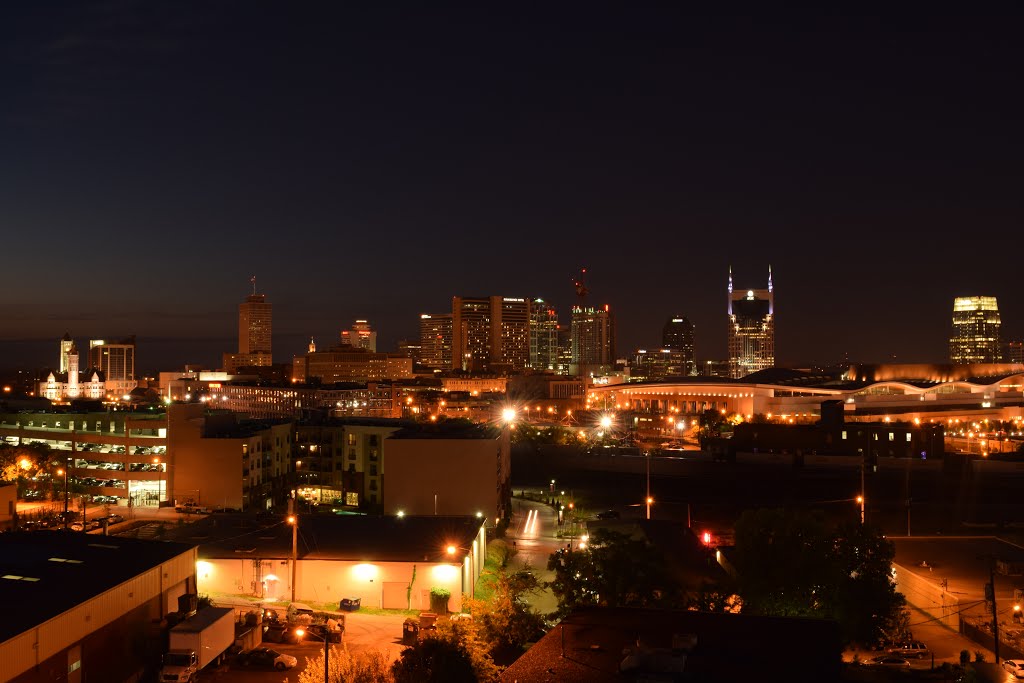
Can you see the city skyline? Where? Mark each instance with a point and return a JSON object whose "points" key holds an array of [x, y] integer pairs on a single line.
{"points": [[372, 163]]}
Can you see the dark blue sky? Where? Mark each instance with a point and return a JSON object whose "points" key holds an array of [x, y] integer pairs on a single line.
{"points": [[371, 162]]}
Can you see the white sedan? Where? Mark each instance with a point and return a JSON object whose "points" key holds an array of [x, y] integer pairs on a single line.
{"points": [[1014, 666]]}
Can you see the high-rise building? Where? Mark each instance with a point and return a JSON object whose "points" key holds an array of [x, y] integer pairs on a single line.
{"points": [[592, 332], [436, 340], [1014, 352], [116, 361], [543, 336], [975, 335], [751, 329], [490, 333], [66, 344], [255, 331], [255, 323], [677, 335], [361, 336]]}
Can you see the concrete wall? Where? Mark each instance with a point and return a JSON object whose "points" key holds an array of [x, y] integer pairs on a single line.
{"points": [[922, 591]]}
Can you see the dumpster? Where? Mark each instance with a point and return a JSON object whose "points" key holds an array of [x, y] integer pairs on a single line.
{"points": [[349, 604]]}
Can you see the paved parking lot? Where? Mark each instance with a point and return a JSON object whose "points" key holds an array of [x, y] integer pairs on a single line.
{"points": [[362, 632]]}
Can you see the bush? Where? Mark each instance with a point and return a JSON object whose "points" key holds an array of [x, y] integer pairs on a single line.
{"points": [[439, 600]]}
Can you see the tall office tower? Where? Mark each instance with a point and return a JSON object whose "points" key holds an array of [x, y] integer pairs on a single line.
{"points": [[116, 359], [975, 336], [66, 344], [1014, 352], [677, 335], [490, 333], [593, 340], [543, 335], [751, 329], [361, 336], [436, 340], [255, 324]]}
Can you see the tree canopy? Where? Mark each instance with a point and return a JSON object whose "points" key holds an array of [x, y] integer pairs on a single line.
{"points": [[614, 570], [791, 564]]}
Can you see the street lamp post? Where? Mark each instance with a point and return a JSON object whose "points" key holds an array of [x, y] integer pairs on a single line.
{"points": [[159, 483], [293, 519]]}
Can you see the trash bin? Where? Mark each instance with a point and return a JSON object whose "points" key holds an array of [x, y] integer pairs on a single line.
{"points": [[410, 632], [349, 604]]}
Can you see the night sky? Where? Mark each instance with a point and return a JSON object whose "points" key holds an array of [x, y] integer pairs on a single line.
{"points": [[372, 162]]}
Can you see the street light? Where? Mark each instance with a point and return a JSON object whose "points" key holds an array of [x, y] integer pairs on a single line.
{"points": [[294, 521], [159, 483]]}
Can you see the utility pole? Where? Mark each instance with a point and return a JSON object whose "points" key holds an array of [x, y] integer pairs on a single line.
{"points": [[990, 593], [293, 519]]}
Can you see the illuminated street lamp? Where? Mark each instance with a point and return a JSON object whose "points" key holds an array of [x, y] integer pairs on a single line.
{"points": [[294, 521]]}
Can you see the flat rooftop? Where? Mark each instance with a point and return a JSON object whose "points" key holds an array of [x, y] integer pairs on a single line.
{"points": [[45, 573]]}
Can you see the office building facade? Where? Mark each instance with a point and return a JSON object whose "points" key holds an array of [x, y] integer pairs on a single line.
{"points": [[592, 339], [255, 332], [751, 338], [677, 335], [361, 336], [543, 336], [975, 334], [115, 361], [436, 340], [490, 333]]}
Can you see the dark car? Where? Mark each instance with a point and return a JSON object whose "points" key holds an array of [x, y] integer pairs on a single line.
{"points": [[264, 657], [281, 632], [912, 649]]}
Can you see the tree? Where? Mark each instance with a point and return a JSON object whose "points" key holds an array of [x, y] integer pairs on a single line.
{"points": [[790, 564], [453, 653], [614, 570], [370, 666], [506, 620]]}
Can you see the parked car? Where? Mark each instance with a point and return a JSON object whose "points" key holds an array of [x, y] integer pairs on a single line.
{"points": [[280, 632], [913, 649], [265, 657], [1014, 666], [890, 661], [115, 519]]}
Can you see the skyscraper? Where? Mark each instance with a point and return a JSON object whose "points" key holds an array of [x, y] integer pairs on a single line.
{"points": [[592, 333], [255, 322], [436, 340], [116, 360], [361, 336], [490, 333], [543, 335], [677, 335], [751, 329], [975, 334], [255, 331]]}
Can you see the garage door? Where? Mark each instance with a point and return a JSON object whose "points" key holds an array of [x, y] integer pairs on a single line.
{"points": [[395, 596]]}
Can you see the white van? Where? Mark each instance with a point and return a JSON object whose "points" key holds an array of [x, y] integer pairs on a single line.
{"points": [[300, 613]]}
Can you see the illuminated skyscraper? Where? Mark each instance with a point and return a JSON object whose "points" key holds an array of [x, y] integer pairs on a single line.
{"points": [[751, 329], [361, 336], [436, 340], [1014, 352], [593, 340], [677, 335], [116, 360], [543, 335], [490, 333], [975, 335]]}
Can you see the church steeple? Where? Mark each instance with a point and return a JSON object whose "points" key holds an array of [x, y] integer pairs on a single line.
{"points": [[312, 345]]}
